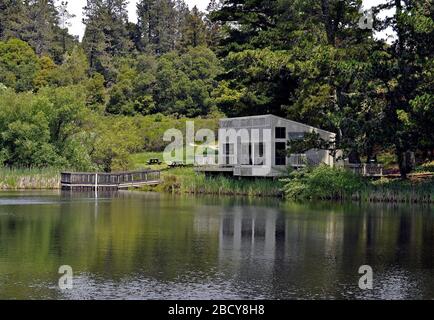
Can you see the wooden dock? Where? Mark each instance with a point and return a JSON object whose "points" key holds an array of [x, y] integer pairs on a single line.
{"points": [[81, 181]]}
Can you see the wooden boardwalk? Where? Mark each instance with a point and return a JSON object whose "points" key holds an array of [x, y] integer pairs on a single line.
{"points": [[81, 181]]}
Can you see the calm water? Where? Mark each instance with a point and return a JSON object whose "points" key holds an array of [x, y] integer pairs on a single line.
{"points": [[150, 246]]}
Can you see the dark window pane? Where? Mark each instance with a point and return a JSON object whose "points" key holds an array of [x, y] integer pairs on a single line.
{"points": [[228, 149], [280, 154], [280, 133]]}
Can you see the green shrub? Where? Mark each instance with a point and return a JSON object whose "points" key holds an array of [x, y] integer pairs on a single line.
{"points": [[322, 182], [426, 167]]}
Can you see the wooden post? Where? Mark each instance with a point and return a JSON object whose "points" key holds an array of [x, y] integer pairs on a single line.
{"points": [[96, 185]]}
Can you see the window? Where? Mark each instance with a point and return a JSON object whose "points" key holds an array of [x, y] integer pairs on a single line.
{"points": [[280, 154], [228, 149], [261, 149], [280, 133], [259, 154], [228, 153], [296, 136], [246, 154]]}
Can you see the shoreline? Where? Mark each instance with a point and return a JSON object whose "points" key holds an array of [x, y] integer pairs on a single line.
{"points": [[186, 181]]}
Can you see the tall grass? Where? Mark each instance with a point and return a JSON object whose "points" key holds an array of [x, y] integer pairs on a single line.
{"points": [[399, 191], [321, 183], [187, 181], [29, 178]]}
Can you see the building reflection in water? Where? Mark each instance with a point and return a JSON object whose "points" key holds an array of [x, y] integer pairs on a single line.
{"points": [[322, 250]]}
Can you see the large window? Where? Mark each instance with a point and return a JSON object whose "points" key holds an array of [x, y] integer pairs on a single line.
{"points": [[260, 147], [280, 154], [246, 154], [280, 133], [259, 154], [228, 149], [228, 153], [293, 136]]}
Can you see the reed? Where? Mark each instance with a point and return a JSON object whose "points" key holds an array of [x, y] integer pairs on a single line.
{"points": [[29, 178], [398, 191], [187, 181]]}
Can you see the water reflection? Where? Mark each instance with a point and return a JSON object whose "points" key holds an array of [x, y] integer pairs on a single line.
{"points": [[152, 246]]}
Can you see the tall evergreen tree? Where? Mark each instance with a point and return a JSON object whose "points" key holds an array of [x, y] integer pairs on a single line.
{"points": [[194, 30], [13, 18], [43, 18], [106, 35], [157, 26], [64, 23], [406, 68], [214, 28]]}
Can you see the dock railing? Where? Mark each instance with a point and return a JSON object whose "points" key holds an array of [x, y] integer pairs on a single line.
{"points": [[366, 169], [109, 181]]}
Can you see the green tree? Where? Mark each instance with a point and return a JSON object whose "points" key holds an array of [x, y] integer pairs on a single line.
{"points": [[194, 32], [73, 70], [106, 35], [405, 69], [64, 17], [96, 95], [42, 17], [133, 92], [185, 82], [18, 65], [156, 26], [13, 18]]}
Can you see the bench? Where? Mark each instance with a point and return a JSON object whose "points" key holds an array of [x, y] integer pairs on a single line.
{"points": [[177, 164]]}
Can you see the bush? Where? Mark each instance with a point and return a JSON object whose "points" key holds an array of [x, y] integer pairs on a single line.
{"points": [[426, 167], [323, 183]]}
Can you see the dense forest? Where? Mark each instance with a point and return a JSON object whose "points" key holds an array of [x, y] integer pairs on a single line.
{"points": [[89, 104]]}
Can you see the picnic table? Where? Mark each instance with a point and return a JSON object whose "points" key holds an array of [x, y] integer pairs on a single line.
{"points": [[154, 161]]}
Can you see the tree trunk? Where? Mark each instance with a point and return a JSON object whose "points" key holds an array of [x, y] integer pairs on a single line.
{"points": [[406, 162], [325, 6]]}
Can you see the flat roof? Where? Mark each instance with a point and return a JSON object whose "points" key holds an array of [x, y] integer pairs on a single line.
{"points": [[273, 116]]}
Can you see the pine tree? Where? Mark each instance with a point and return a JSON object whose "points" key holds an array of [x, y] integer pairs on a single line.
{"points": [[106, 35], [214, 28], [13, 18], [157, 26], [64, 24], [194, 31], [43, 19], [405, 67]]}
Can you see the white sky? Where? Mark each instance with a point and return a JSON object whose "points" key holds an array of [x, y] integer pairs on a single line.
{"points": [[76, 7]]}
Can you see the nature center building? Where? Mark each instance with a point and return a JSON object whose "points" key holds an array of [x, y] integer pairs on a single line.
{"points": [[257, 146]]}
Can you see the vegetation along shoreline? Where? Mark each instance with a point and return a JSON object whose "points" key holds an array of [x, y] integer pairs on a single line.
{"points": [[321, 183]]}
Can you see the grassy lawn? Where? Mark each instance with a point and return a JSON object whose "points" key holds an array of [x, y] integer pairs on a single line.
{"points": [[140, 160]]}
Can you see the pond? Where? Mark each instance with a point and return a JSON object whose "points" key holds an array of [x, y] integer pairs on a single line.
{"points": [[132, 245]]}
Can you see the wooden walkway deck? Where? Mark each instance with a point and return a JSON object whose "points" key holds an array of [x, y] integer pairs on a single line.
{"points": [[81, 181]]}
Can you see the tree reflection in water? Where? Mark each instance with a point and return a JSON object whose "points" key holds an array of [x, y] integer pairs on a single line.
{"points": [[139, 246]]}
